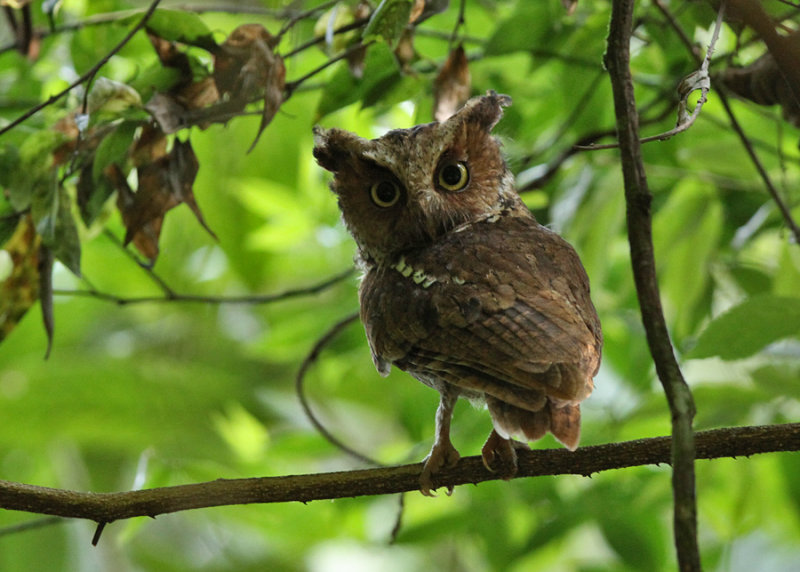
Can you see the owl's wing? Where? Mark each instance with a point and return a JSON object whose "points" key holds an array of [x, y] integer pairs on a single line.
{"points": [[502, 309]]}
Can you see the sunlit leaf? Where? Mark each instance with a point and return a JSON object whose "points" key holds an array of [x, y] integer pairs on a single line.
{"points": [[180, 26], [749, 327], [389, 19]]}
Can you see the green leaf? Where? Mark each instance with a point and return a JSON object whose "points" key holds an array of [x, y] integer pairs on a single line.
{"points": [[388, 20], [30, 167], [52, 215], [634, 537], [184, 27], [380, 72], [509, 36], [8, 224], [748, 328], [114, 148]]}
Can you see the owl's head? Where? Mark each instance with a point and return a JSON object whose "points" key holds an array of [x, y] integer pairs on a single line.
{"points": [[406, 189]]}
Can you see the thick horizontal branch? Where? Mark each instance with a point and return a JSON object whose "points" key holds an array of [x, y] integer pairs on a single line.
{"points": [[108, 507]]}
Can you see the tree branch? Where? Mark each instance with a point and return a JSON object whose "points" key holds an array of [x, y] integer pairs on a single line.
{"points": [[88, 75], [638, 199], [108, 507], [172, 296]]}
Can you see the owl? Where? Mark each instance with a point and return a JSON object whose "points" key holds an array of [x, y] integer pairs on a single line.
{"points": [[462, 288]]}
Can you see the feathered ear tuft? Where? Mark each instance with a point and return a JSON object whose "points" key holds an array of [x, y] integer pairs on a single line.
{"points": [[332, 147], [485, 110]]}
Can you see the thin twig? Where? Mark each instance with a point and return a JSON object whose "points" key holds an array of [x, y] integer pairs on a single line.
{"points": [[293, 85], [172, 296], [638, 200], [786, 213], [30, 525], [299, 385], [321, 39], [86, 76], [684, 123], [303, 15], [743, 137], [110, 507]]}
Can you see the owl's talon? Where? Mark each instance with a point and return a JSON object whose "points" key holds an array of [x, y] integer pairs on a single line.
{"points": [[499, 455], [442, 456]]}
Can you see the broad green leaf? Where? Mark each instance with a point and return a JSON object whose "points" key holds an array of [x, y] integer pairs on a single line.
{"points": [[32, 167], [184, 27], [52, 215], [114, 148], [780, 379], [509, 36], [8, 224], [635, 537], [389, 20], [749, 327]]}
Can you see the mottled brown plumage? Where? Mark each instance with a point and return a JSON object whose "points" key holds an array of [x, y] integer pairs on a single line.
{"points": [[462, 288]]}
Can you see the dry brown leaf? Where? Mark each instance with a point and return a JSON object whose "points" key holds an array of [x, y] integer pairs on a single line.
{"points": [[247, 66], [451, 88], [244, 62], [165, 181], [764, 82], [416, 11], [404, 51]]}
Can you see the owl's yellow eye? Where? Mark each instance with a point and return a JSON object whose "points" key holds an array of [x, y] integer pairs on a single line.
{"points": [[385, 193], [453, 176]]}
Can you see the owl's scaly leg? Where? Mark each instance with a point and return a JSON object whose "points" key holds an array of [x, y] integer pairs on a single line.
{"points": [[442, 454], [500, 454]]}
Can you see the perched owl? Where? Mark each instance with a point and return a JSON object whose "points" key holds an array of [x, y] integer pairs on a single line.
{"points": [[462, 288]]}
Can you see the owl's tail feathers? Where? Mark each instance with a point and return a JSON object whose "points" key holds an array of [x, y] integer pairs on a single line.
{"points": [[563, 421], [565, 424]]}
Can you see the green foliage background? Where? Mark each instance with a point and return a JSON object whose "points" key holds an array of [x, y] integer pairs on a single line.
{"points": [[167, 392]]}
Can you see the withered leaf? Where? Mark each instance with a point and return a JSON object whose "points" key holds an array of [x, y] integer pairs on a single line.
{"points": [[246, 66], [165, 181], [764, 83], [46, 295], [404, 51], [243, 62], [20, 290], [451, 88]]}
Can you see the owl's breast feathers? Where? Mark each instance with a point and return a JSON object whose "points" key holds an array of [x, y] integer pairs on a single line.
{"points": [[500, 309]]}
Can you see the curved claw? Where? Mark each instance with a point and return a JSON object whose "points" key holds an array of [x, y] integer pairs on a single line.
{"points": [[442, 455], [500, 455]]}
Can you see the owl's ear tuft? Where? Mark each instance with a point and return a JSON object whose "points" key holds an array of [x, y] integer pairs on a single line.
{"points": [[333, 147], [485, 110]]}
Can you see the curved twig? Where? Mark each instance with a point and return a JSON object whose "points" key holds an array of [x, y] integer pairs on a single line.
{"points": [[312, 357]]}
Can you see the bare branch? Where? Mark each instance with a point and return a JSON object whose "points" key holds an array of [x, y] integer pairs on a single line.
{"points": [[638, 199], [172, 296], [109, 507]]}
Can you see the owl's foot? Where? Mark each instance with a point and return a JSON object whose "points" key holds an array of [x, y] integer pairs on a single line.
{"points": [[442, 455], [500, 455]]}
